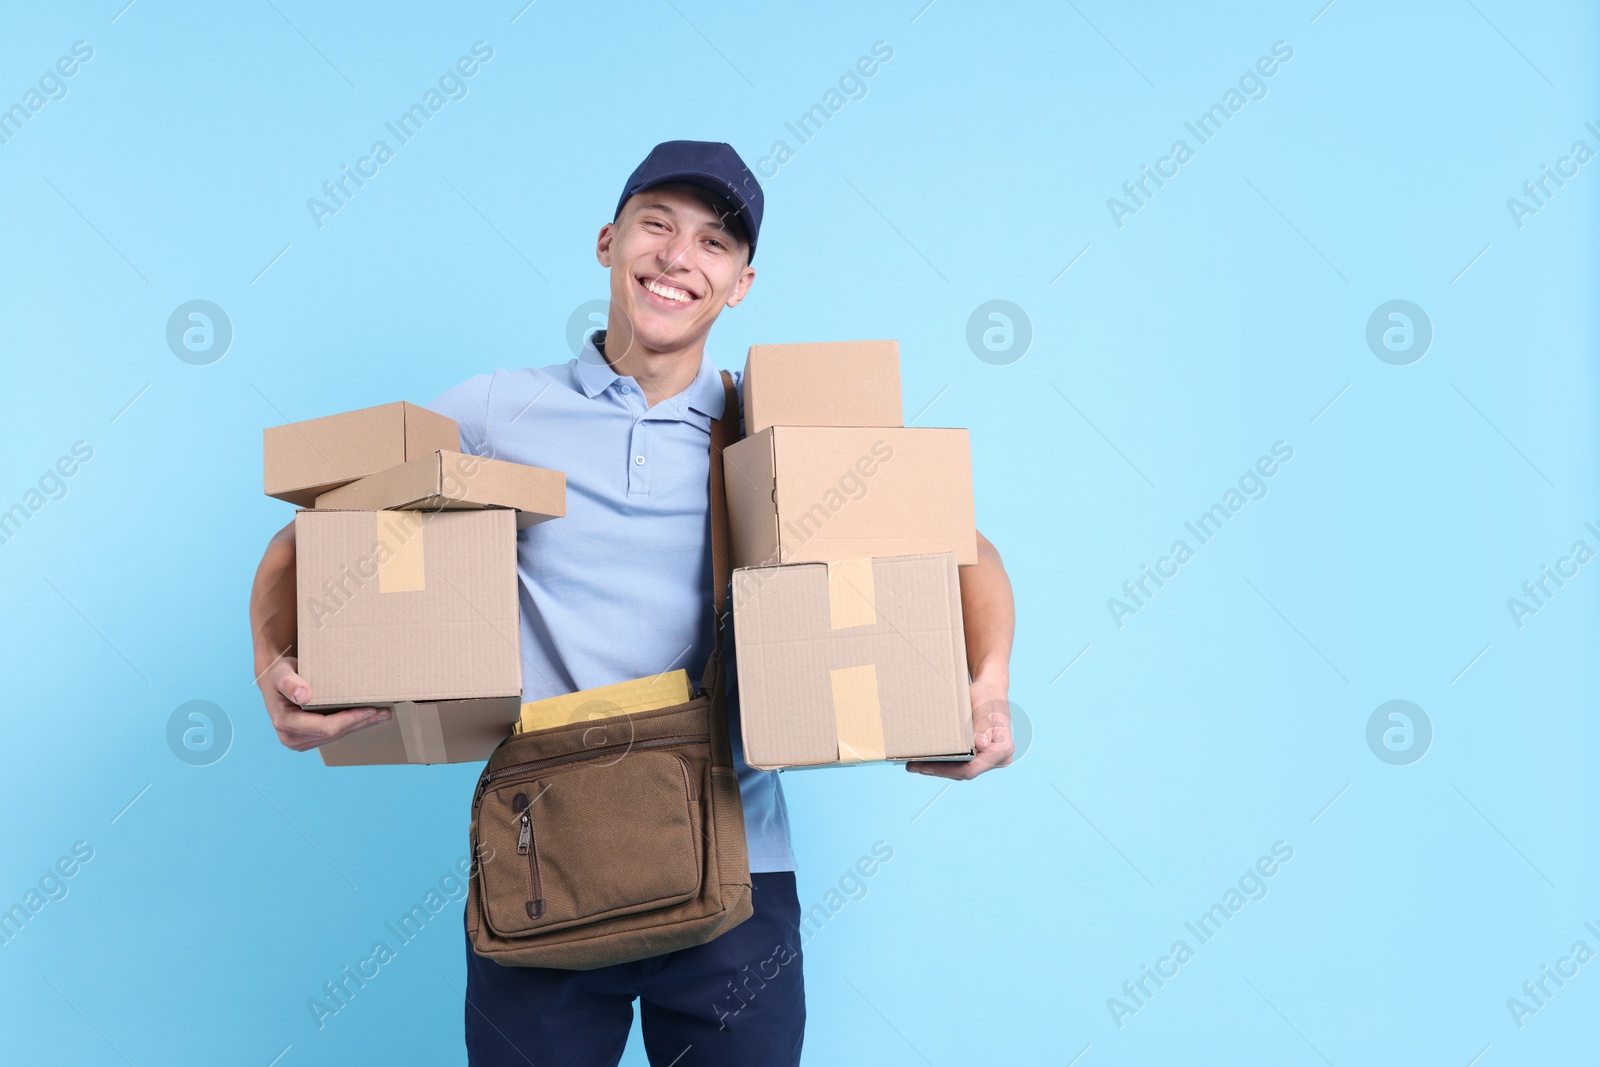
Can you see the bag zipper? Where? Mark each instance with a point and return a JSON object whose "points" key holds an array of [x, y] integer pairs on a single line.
{"points": [[535, 903], [534, 767]]}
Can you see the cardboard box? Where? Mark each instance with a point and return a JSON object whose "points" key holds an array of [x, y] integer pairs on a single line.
{"points": [[304, 459], [447, 480], [450, 731], [831, 383], [800, 494], [853, 661], [417, 611]]}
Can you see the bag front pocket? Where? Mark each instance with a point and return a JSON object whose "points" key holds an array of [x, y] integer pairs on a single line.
{"points": [[589, 836]]}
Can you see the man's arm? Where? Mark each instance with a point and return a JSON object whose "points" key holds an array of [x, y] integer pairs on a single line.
{"points": [[274, 631], [989, 613]]}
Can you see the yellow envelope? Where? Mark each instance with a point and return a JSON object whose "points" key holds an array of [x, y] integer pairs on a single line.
{"points": [[641, 694]]}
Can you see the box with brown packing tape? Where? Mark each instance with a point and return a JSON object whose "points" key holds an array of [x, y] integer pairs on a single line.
{"points": [[852, 661], [415, 611]]}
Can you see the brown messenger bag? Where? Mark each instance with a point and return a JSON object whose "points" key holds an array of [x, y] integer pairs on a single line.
{"points": [[615, 839]]}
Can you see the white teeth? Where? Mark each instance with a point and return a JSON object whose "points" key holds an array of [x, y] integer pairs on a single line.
{"points": [[667, 291]]}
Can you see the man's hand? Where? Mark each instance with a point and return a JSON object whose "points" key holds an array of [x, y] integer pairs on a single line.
{"points": [[988, 617], [991, 734], [272, 636], [284, 691]]}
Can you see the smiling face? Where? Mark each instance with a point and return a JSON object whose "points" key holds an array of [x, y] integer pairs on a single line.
{"points": [[676, 261]]}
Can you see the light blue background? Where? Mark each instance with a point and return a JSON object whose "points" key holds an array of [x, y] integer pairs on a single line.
{"points": [[1224, 316]]}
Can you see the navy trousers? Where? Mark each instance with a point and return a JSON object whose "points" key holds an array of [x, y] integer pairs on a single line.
{"points": [[738, 999]]}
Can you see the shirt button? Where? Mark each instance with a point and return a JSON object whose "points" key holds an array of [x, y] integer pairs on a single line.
{"points": [[626, 390], [638, 461]]}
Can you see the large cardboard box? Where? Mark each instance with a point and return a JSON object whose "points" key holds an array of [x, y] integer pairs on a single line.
{"points": [[416, 611], [799, 494], [304, 459], [853, 661], [446, 480], [831, 383]]}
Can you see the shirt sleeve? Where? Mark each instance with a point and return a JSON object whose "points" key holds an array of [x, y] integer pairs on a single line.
{"points": [[468, 405]]}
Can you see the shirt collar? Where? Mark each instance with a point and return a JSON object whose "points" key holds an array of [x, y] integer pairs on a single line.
{"points": [[703, 401], [595, 375]]}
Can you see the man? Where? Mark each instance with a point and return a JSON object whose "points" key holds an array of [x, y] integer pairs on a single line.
{"points": [[619, 589]]}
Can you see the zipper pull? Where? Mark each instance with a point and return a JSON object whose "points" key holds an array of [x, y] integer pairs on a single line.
{"points": [[524, 833]]}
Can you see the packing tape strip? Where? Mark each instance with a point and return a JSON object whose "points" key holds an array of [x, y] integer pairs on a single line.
{"points": [[857, 717], [421, 732], [851, 601], [400, 562]]}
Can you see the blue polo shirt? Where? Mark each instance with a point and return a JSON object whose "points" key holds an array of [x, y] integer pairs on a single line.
{"points": [[618, 588]]}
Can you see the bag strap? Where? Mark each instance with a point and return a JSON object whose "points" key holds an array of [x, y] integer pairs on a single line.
{"points": [[724, 432]]}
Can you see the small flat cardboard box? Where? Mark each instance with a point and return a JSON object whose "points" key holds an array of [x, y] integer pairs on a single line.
{"points": [[304, 459], [800, 494], [830, 383], [446, 480], [854, 661], [415, 611]]}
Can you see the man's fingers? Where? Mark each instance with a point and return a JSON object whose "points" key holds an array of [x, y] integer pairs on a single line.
{"points": [[996, 748], [991, 748], [342, 722], [996, 717], [992, 745], [294, 688], [300, 729], [989, 752], [952, 769], [307, 729]]}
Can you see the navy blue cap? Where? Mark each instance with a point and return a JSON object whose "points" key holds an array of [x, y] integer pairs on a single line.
{"points": [[711, 165]]}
